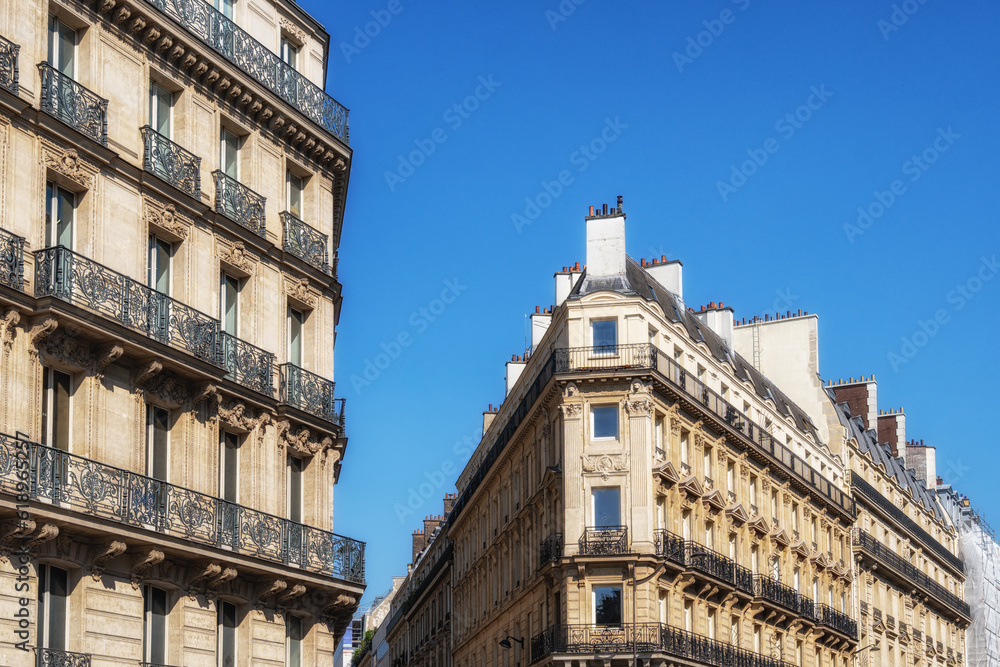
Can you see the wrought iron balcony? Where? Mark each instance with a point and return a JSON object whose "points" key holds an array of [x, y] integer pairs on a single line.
{"points": [[604, 541], [670, 546], [837, 620], [259, 62], [96, 489], [73, 104], [778, 593], [8, 65], [625, 638], [699, 558], [49, 657], [247, 364], [936, 592], [238, 202], [11, 260], [310, 393], [170, 162], [304, 242], [551, 549]]}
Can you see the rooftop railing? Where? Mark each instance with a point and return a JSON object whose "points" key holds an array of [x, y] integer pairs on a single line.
{"points": [[74, 104], [11, 260], [168, 161], [310, 393], [82, 485], [8, 65], [238, 202], [604, 541], [260, 63], [304, 242]]}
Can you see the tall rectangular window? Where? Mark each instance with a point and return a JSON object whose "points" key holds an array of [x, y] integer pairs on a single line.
{"points": [[62, 47], [295, 468], [227, 624], [157, 441], [295, 187], [293, 631], [224, 6], [229, 470], [688, 615], [229, 303], [604, 421], [605, 335], [60, 210], [154, 631], [161, 103], [608, 605], [607, 507], [230, 154], [158, 272], [53, 594], [296, 319], [685, 446], [56, 392], [289, 53]]}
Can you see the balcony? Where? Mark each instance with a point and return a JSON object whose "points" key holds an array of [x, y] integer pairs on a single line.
{"points": [[8, 65], [49, 657], [258, 62], [305, 242], [310, 393], [699, 558], [551, 549], [910, 575], [73, 278], [73, 104], [171, 163], [238, 202], [784, 596], [604, 541], [644, 638], [88, 487], [11, 260], [906, 523], [836, 620]]}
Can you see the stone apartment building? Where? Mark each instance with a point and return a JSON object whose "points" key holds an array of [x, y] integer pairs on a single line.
{"points": [[172, 189]]}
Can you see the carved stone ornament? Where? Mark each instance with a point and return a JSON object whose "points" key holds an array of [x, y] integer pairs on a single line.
{"points": [[301, 443], [165, 220], [570, 390], [69, 164], [64, 346], [146, 370], [639, 408], [298, 590], [299, 290], [168, 387], [234, 414], [605, 464], [200, 575], [141, 563], [292, 30], [106, 356], [238, 258], [40, 330], [104, 554], [12, 532], [8, 328], [268, 589], [225, 576]]}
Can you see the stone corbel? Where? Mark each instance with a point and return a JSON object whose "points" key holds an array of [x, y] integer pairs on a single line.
{"points": [[106, 356], [267, 589], [201, 575], [225, 576], [8, 328], [298, 590], [146, 370], [141, 563], [103, 555], [122, 15], [206, 391], [45, 533], [41, 328], [11, 532]]}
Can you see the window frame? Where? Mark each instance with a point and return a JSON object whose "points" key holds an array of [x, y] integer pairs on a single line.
{"points": [[49, 406], [54, 48], [152, 411], [225, 464], [225, 280], [290, 180], [54, 194], [222, 630], [298, 347], [147, 621], [288, 52], [611, 409], [597, 598], [298, 503], [604, 348], [293, 645], [594, 492], [224, 136], [45, 607], [157, 94]]}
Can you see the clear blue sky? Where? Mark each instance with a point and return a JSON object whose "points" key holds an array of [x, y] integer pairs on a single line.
{"points": [[680, 123]]}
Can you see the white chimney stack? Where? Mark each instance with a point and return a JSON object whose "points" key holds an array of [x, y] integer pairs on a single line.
{"points": [[606, 242], [668, 274], [514, 369], [540, 322]]}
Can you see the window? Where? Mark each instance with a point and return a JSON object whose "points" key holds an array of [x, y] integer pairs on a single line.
{"points": [[289, 53], [753, 492], [158, 273], [755, 559], [224, 6], [731, 477], [53, 591], [60, 210], [56, 393], [157, 441], [62, 47], [295, 187], [688, 615], [607, 507], [154, 629], [229, 468], [713, 624], [293, 631], [797, 580], [604, 421], [605, 335], [227, 634], [686, 525], [295, 467], [229, 303], [607, 605], [296, 320], [161, 102], [685, 446], [230, 154]]}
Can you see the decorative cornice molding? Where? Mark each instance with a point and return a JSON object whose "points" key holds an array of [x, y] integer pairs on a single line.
{"points": [[68, 163], [294, 31], [605, 464], [165, 219], [8, 328], [299, 291], [237, 257]]}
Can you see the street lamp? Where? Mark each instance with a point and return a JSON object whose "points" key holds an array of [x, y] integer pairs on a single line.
{"points": [[635, 621], [874, 647], [505, 642]]}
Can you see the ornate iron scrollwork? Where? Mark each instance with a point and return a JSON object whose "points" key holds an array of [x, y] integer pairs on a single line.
{"points": [[74, 104], [164, 158], [305, 242]]}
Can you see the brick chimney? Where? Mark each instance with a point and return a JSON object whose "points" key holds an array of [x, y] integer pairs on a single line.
{"points": [[449, 503], [419, 542], [430, 523], [892, 430], [923, 459], [860, 396]]}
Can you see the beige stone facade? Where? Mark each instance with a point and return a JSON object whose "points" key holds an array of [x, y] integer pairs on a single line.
{"points": [[172, 188]]}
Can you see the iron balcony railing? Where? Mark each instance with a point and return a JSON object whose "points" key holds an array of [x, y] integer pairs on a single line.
{"points": [[11, 260], [96, 489], [73, 104], [50, 657], [167, 160], [8, 65], [837, 620], [256, 60], [699, 558], [304, 242], [604, 541], [75, 279], [551, 549], [238, 202], [936, 592], [670, 546], [909, 525], [784, 596], [626, 638], [310, 393], [647, 356]]}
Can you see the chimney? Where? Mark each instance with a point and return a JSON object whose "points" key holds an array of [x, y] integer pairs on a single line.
{"points": [[514, 369], [540, 322], [489, 415], [606, 243], [449, 503], [892, 430], [719, 319], [923, 460], [418, 545], [668, 274], [860, 396], [430, 523], [564, 284]]}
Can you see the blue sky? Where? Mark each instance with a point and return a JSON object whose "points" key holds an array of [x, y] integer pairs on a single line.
{"points": [[744, 137]]}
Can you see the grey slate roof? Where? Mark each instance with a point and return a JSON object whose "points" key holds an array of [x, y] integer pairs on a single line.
{"points": [[638, 282]]}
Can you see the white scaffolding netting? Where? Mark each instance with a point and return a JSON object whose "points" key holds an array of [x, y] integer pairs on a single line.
{"points": [[982, 591]]}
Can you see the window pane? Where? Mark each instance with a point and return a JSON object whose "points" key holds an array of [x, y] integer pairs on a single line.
{"points": [[59, 216], [295, 187], [295, 336], [158, 421], [294, 489], [159, 265], [230, 304], [294, 641], [608, 605], [606, 422], [56, 409], [160, 101], [230, 154], [226, 7], [57, 591], [230, 467], [606, 508], [227, 634], [605, 333], [156, 624], [62, 47]]}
